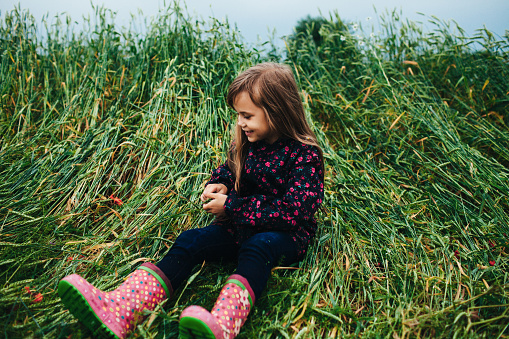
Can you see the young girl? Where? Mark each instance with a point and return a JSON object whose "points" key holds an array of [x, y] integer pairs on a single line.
{"points": [[264, 198]]}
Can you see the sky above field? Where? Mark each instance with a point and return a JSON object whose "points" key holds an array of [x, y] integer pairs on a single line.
{"points": [[255, 19]]}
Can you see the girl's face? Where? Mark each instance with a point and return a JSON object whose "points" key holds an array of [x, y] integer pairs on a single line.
{"points": [[253, 120]]}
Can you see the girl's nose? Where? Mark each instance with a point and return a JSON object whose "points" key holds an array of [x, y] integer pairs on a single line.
{"points": [[240, 121]]}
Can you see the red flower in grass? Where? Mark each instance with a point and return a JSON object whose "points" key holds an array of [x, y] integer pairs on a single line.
{"points": [[492, 262], [116, 200], [37, 299], [457, 254], [71, 258]]}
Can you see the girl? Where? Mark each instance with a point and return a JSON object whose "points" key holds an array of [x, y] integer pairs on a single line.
{"points": [[264, 198]]}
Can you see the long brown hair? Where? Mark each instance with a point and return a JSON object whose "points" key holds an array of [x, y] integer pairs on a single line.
{"points": [[271, 87]]}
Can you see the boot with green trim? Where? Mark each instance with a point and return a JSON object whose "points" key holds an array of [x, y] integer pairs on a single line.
{"points": [[115, 314], [227, 316]]}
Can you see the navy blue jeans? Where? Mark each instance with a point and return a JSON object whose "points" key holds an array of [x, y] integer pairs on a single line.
{"points": [[255, 256]]}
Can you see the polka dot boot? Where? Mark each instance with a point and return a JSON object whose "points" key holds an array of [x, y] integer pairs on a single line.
{"points": [[227, 316], [115, 314]]}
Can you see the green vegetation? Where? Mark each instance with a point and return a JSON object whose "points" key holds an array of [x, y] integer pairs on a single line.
{"points": [[413, 238]]}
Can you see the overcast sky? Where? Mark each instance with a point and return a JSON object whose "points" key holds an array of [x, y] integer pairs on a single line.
{"points": [[255, 18]]}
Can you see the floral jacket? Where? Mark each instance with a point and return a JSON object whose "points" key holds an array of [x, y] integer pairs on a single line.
{"points": [[281, 189]]}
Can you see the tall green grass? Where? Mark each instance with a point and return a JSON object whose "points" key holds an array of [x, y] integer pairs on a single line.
{"points": [[413, 239]]}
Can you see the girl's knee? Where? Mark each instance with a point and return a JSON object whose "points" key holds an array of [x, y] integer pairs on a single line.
{"points": [[269, 245], [199, 236], [187, 237], [261, 240]]}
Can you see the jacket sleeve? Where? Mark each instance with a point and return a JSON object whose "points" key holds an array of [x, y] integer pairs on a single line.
{"points": [[302, 196], [222, 175]]}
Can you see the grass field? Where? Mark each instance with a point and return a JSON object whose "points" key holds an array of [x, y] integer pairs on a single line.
{"points": [[413, 241]]}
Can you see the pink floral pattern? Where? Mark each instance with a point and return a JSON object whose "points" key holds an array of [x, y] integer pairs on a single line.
{"points": [[231, 309], [227, 316], [281, 189]]}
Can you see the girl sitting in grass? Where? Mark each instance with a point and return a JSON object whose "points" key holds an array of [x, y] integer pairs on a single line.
{"points": [[264, 199]]}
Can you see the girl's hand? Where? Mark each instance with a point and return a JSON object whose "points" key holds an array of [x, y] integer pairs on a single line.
{"points": [[213, 188], [216, 205]]}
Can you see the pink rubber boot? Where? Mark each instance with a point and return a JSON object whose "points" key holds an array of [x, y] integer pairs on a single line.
{"points": [[227, 316], [115, 314]]}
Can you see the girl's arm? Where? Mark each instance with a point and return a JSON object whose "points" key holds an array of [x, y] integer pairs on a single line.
{"points": [[303, 196], [222, 175]]}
